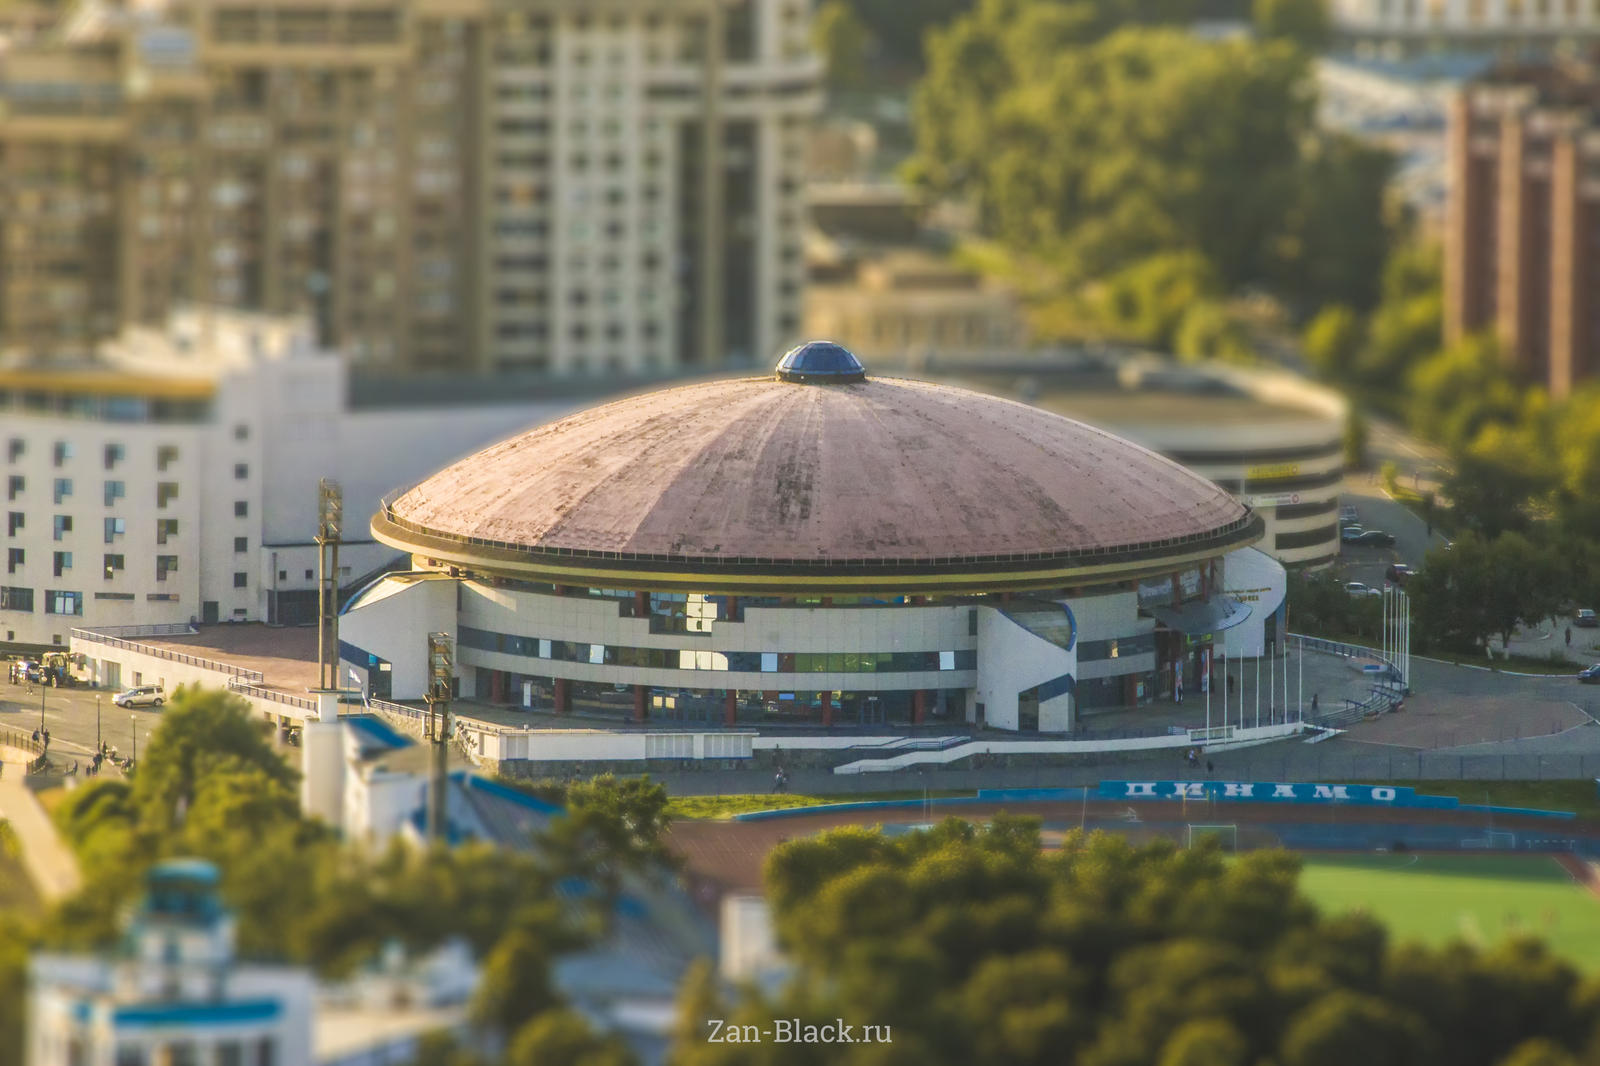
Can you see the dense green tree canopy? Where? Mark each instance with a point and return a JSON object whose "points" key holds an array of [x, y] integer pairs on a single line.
{"points": [[1095, 136], [212, 786], [977, 947]]}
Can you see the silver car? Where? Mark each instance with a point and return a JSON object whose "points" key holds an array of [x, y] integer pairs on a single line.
{"points": [[142, 696]]}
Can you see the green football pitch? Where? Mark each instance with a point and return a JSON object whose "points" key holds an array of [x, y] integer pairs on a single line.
{"points": [[1477, 898]]}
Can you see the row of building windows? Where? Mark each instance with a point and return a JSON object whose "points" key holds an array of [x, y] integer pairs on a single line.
{"points": [[116, 527], [764, 662], [59, 602]]}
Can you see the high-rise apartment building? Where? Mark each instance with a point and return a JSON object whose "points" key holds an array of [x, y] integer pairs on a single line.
{"points": [[474, 185], [1522, 226]]}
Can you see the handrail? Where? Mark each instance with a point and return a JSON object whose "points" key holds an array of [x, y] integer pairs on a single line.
{"points": [[12, 739], [260, 692], [152, 629], [394, 708], [96, 637]]}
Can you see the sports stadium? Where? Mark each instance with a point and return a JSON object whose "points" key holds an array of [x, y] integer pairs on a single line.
{"points": [[814, 545]]}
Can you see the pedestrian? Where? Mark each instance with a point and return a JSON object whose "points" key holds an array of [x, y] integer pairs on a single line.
{"points": [[1569, 636], [777, 782], [36, 736], [1210, 769], [1313, 703], [1230, 684]]}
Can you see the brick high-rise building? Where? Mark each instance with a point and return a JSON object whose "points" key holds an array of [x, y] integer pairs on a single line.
{"points": [[477, 185], [1522, 227]]}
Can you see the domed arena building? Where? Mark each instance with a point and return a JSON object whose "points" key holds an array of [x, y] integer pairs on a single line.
{"points": [[817, 545]]}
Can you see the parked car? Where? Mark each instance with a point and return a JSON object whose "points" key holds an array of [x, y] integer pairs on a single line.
{"points": [[1356, 588], [1348, 516], [1375, 538], [142, 696], [1586, 619], [1350, 533], [1399, 573], [1589, 675]]}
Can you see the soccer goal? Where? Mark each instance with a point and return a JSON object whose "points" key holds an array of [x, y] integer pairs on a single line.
{"points": [[1227, 835]]}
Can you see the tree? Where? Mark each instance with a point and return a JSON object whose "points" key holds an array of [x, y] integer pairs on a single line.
{"points": [[563, 1038], [1147, 302], [973, 945], [899, 27], [1337, 235], [842, 39], [1303, 21], [1101, 154], [1477, 588], [1332, 341], [1208, 331], [197, 726], [1356, 437]]}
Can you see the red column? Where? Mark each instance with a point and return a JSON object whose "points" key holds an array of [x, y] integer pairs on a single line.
{"points": [[730, 708], [641, 604], [640, 703], [563, 698], [827, 710], [919, 706]]}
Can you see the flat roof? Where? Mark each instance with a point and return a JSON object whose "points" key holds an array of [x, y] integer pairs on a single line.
{"points": [[1099, 400], [285, 655]]}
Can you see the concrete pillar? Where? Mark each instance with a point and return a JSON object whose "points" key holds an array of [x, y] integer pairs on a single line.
{"points": [[1514, 310], [730, 708], [322, 780], [1466, 237], [919, 706], [641, 702], [827, 710], [563, 695], [641, 605], [1569, 245]]}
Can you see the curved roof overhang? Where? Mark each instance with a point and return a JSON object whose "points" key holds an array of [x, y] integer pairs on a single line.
{"points": [[788, 577]]}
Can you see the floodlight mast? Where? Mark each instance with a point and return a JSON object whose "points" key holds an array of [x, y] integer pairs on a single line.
{"points": [[441, 675], [330, 523]]}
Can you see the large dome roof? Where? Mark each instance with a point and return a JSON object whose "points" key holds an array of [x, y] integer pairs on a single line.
{"points": [[770, 476]]}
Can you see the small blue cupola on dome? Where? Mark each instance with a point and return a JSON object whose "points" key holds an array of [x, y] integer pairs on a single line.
{"points": [[820, 363]]}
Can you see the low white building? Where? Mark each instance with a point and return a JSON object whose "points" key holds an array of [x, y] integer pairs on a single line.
{"points": [[175, 479], [175, 995]]}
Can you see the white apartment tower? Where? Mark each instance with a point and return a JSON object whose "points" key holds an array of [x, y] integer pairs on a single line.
{"points": [[537, 186]]}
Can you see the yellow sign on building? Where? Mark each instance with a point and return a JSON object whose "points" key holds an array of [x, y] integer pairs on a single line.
{"points": [[1255, 473]]}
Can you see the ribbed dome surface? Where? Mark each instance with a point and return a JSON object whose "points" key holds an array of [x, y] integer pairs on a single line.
{"points": [[757, 468]]}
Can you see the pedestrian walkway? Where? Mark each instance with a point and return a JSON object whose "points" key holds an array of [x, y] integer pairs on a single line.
{"points": [[49, 862]]}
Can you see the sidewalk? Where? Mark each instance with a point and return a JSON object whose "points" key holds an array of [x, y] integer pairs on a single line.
{"points": [[48, 860]]}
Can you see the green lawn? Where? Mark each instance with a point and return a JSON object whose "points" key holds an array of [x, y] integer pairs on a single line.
{"points": [[1478, 898], [728, 806]]}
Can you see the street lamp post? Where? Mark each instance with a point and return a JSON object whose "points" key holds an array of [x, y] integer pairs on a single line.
{"points": [[135, 720], [41, 702], [97, 721]]}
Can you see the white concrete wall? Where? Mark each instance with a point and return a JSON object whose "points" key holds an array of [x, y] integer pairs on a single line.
{"points": [[87, 508], [393, 623], [1012, 660], [1256, 579]]}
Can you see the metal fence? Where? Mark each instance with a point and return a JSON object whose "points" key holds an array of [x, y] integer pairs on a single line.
{"points": [[154, 629], [97, 637], [10, 738], [257, 692]]}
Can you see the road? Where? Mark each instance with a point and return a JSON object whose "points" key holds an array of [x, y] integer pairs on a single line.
{"points": [[1420, 466], [69, 714]]}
